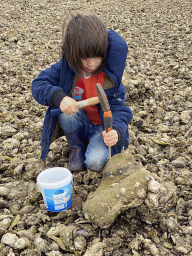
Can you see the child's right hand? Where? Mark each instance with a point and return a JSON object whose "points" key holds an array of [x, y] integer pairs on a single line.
{"points": [[67, 105]]}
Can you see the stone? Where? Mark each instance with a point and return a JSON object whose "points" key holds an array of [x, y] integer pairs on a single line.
{"points": [[128, 177]]}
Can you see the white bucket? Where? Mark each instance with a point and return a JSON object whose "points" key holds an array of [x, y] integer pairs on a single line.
{"points": [[55, 186]]}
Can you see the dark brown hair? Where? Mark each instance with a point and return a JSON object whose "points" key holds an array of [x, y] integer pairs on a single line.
{"points": [[83, 36]]}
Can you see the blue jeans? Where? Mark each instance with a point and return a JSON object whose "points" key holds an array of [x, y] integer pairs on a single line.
{"points": [[97, 151]]}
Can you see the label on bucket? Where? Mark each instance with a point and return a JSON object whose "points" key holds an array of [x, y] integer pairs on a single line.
{"points": [[58, 199]]}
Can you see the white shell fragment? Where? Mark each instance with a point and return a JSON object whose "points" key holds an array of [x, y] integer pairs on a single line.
{"points": [[95, 250], [9, 239], [153, 186], [21, 243]]}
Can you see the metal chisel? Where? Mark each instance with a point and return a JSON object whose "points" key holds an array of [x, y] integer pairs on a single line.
{"points": [[107, 115]]}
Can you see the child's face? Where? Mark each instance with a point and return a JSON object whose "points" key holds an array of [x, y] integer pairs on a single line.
{"points": [[91, 64]]}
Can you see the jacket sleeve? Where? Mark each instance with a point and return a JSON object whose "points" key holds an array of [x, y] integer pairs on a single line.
{"points": [[122, 116], [116, 57], [45, 88]]}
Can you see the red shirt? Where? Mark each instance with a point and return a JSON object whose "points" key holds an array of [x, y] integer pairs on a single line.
{"points": [[85, 89]]}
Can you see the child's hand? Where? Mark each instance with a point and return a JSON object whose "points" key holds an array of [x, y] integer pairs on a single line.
{"points": [[67, 105], [110, 138]]}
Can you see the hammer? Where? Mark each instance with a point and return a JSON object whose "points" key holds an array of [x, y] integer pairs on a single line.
{"points": [[87, 102]]}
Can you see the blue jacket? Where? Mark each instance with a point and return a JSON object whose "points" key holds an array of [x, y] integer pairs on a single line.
{"points": [[60, 77]]}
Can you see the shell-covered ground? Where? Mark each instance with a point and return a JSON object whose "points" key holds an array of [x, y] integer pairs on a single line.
{"points": [[158, 79]]}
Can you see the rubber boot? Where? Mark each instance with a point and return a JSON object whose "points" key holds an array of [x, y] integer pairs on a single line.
{"points": [[76, 151]]}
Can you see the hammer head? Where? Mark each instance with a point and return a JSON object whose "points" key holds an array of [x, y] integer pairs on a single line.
{"points": [[102, 98]]}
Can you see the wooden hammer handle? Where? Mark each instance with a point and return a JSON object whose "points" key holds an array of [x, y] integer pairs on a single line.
{"points": [[88, 102]]}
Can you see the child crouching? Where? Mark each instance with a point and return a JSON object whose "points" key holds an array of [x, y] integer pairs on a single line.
{"points": [[90, 55]]}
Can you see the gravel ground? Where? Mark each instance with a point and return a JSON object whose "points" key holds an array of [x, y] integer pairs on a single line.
{"points": [[158, 78]]}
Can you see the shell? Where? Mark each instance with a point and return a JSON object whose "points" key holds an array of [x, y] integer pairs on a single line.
{"points": [[152, 200], [16, 221], [142, 193], [4, 191], [10, 144], [80, 243], [5, 222], [9, 239], [95, 250], [11, 253], [82, 232], [153, 186], [55, 253], [53, 231], [54, 246], [41, 244], [22, 243]]}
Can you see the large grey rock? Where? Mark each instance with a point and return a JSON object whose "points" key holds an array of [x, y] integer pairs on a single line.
{"points": [[124, 189]]}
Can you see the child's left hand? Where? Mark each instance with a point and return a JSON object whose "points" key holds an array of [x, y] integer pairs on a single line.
{"points": [[110, 138]]}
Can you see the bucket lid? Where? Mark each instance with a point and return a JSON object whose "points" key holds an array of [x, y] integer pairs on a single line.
{"points": [[53, 178]]}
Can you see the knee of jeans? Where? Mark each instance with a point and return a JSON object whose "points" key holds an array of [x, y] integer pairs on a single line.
{"points": [[95, 164], [68, 122], [67, 117], [96, 167]]}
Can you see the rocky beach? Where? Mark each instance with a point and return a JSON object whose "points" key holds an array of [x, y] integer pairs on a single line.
{"points": [[147, 206]]}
